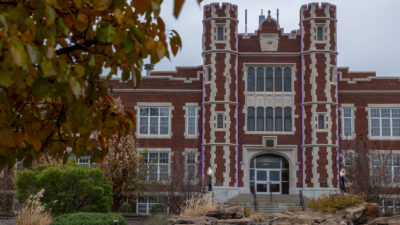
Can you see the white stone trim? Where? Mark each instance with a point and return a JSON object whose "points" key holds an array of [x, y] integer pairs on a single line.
{"points": [[353, 119], [157, 90], [368, 109], [153, 104]]}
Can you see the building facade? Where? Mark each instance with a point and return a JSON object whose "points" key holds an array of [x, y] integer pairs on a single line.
{"points": [[267, 111]]}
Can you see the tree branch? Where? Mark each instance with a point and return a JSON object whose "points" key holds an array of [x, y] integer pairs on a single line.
{"points": [[84, 46]]}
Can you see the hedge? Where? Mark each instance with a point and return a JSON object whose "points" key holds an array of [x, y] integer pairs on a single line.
{"points": [[88, 219]]}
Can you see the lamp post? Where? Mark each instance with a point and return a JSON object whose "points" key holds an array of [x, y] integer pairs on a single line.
{"points": [[342, 174], [210, 172]]}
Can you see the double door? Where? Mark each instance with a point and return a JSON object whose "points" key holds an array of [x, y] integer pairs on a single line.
{"points": [[268, 181]]}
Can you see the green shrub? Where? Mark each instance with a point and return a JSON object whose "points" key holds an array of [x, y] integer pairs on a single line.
{"points": [[88, 219], [157, 209], [333, 203], [68, 188], [125, 208]]}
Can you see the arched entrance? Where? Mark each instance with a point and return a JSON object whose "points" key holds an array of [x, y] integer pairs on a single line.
{"points": [[269, 174]]}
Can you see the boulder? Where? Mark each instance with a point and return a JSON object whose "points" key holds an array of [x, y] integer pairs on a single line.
{"points": [[242, 221], [354, 213], [194, 220], [235, 212], [394, 220]]}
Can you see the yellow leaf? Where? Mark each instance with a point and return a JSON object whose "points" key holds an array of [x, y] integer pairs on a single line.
{"points": [[118, 15], [27, 36], [37, 144], [83, 18]]}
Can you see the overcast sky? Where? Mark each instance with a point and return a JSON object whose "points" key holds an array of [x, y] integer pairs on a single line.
{"points": [[368, 30]]}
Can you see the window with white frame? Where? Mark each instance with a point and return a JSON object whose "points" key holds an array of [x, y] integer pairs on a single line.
{"points": [[190, 167], [145, 203], [347, 122], [390, 206], [386, 166], [385, 122], [154, 121], [84, 160], [157, 164], [191, 121], [269, 79]]}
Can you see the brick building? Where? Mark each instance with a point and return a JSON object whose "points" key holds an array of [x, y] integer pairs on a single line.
{"points": [[267, 111]]}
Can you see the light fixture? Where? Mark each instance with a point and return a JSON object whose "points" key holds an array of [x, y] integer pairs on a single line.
{"points": [[210, 172], [342, 172]]}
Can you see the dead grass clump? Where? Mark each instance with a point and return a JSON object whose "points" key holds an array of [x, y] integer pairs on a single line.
{"points": [[33, 213], [257, 217], [198, 205]]}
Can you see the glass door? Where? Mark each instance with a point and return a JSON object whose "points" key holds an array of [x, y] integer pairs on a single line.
{"points": [[268, 181]]}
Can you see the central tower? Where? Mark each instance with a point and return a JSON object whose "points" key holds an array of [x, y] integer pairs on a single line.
{"points": [[220, 58]]}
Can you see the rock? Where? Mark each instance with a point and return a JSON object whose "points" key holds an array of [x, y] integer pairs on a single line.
{"points": [[243, 221], [394, 220], [198, 220], [235, 212], [354, 213]]}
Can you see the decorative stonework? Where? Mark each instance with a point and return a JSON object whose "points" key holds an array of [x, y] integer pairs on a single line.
{"points": [[269, 42]]}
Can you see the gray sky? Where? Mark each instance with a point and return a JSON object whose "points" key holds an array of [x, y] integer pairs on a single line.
{"points": [[368, 30]]}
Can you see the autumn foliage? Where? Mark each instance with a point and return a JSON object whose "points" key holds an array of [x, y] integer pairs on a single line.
{"points": [[52, 53]]}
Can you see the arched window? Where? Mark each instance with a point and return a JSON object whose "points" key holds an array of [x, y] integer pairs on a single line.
{"points": [[278, 79], [278, 119], [288, 119], [269, 115], [250, 79], [260, 79], [260, 119], [287, 80], [250, 119], [269, 85]]}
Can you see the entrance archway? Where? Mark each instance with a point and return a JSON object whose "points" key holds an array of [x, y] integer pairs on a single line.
{"points": [[269, 174]]}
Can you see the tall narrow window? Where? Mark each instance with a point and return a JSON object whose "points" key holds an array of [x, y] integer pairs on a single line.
{"points": [[209, 74], [347, 122], [260, 79], [375, 122], [250, 79], [385, 118], [190, 167], [220, 121], [250, 119], [158, 165], [269, 85], [260, 119], [278, 119], [191, 120], [320, 33], [287, 80], [269, 115], [278, 79], [220, 33], [396, 123], [321, 122], [288, 119]]}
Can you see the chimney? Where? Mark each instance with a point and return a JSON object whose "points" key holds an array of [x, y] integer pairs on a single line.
{"points": [[277, 15], [245, 23], [261, 18], [148, 68]]}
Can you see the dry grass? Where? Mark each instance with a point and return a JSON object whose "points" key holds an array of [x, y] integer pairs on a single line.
{"points": [[33, 213], [198, 205], [257, 217]]}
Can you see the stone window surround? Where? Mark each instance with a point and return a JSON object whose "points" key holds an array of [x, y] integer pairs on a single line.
{"points": [[270, 132], [147, 203], [217, 25], [353, 117], [334, 75], [292, 67], [216, 121], [385, 152], [196, 152], [289, 152], [324, 29], [190, 104], [160, 150], [368, 109], [206, 70], [153, 104], [326, 125]]}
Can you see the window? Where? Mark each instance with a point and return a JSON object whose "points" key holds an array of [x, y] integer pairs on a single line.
{"points": [[390, 206], [260, 79], [320, 33], [332, 74], [250, 119], [385, 122], [348, 159], [19, 165], [190, 164], [191, 121], [209, 73], [145, 203], [220, 33], [288, 119], [269, 119], [220, 121], [347, 122], [278, 119], [321, 121], [278, 79], [154, 121], [250, 79], [386, 166], [84, 160], [287, 80], [269, 80], [260, 119], [158, 165]]}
